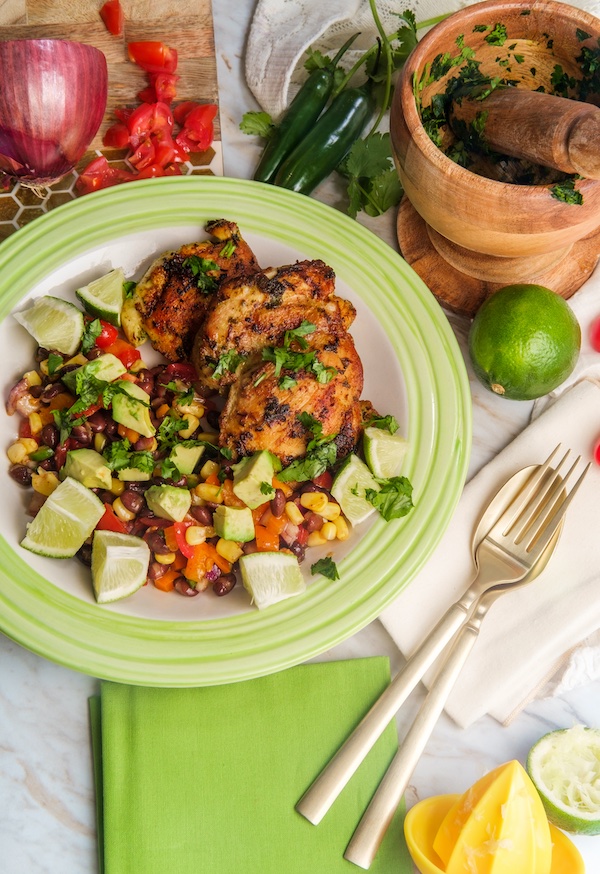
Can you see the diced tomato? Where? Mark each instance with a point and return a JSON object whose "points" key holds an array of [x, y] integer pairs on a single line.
{"points": [[124, 351], [111, 522], [89, 411], [595, 334], [111, 14], [153, 56], [124, 113], [183, 109], [60, 453], [173, 170], [266, 540], [597, 452], [198, 132], [25, 429], [99, 174], [162, 88], [324, 480], [302, 536], [181, 370], [107, 335], [147, 119], [117, 136], [152, 171], [144, 154]]}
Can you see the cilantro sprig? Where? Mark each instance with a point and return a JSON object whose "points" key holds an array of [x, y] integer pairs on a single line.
{"points": [[201, 269], [321, 453]]}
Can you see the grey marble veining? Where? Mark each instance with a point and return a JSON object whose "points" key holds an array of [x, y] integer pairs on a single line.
{"points": [[47, 817]]}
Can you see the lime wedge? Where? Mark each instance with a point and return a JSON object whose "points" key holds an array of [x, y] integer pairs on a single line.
{"points": [[349, 487], [65, 521], [270, 577], [53, 323], [384, 451], [103, 298], [119, 565], [564, 766]]}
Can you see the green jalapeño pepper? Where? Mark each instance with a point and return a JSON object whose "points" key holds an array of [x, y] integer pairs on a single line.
{"points": [[303, 111], [329, 141]]}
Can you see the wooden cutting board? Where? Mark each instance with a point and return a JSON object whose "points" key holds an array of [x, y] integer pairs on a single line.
{"points": [[185, 25]]}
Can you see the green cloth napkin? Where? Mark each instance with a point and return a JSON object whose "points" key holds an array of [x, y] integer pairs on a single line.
{"points": [[206, 780]]}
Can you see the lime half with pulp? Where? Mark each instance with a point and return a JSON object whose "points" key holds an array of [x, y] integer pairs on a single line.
{"points": [[564, 766], [119, 565], [103, 298], [53, 323], [65, 521], [270, 577], [349, 488], [384, 451]]}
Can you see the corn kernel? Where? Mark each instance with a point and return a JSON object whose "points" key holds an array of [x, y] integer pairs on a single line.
{"points": [[117, 486], [44, 482], [331, 511], [328, 531], [167, 558], [315, 539], [195, 534], [341, 526], [208, 492], [192, 425], [18, 453], [162, 411], [121, 511], [32, 377], [208, 437], [44, 367], [293, 513], [197, 501], [315, 501], [100, 441], [137, 366], [35, 423], [229, 550], [208, 469], [194, 408], [78, 359]]}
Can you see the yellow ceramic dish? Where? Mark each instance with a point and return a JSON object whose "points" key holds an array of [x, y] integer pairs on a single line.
{"points": [[424, 819]]}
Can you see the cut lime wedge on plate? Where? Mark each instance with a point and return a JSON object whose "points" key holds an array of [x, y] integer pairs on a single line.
{"points": [[349, 486], [384, 451], [65, 521], [564, 766], [119, 565], [103, 298], [270, 577], [53, 323]]}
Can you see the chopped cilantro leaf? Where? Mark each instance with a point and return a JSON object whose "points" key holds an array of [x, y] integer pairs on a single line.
{"points": [[257, 124], [321, 453], [55, 362], [566, 192], [327, 567], [228, 363], [128, 288], [386, 423], [168, 429], [394, 498], [91, 332], [201, 268], [267, 489], [228, 249], [497, 36]]}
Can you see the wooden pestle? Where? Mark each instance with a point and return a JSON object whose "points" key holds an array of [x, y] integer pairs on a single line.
{"points": [[547, 130]]}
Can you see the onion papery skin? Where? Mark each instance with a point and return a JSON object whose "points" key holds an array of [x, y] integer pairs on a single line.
{"points": [[52, 102]]}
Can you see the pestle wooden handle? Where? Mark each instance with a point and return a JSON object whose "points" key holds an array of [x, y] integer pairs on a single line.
{"points": [[547, 130]]}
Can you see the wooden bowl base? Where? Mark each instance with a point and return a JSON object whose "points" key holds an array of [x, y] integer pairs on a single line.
{"points": [[464, 294]]}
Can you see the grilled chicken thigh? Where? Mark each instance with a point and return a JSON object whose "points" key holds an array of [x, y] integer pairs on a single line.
{"points": [[250, 312], [172, 299], [262, 405]]}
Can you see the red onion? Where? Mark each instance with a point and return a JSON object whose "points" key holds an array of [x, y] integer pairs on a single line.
{"points": [[52, 101]]}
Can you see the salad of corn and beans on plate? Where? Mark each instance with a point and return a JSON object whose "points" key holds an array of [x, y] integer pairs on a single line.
{"points": [[127, 473]]}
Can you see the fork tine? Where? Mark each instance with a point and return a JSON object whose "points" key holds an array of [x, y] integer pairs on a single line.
{"points": [[542, 502], [545, 528]]}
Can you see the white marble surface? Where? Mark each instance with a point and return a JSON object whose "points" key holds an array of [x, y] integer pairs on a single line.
{"points": [[46, 791]]}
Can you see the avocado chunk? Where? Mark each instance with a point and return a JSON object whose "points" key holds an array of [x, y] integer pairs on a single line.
{"points": [[134, 474], [234, 523], [89, 467], [185, 458], [169, 502], [253, 477], [130, 407], [106, 367]]}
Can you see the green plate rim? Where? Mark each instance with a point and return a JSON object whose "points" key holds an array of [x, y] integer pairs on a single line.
{"points": [[96, 641]]}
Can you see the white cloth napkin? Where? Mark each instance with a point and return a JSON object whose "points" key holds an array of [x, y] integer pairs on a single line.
{"points": [[527, 630], [282, 31]]}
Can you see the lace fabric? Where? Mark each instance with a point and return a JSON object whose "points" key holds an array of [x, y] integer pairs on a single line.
{"points": [[283, 30]]}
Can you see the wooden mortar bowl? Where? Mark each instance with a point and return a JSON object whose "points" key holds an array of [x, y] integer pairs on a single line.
{"points": [[496, 232]]}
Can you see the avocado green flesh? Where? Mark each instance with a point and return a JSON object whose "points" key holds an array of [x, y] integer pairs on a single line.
{"points": [[131, 408], [250, 476], [88, 467], [233, 523], [169, 502]]}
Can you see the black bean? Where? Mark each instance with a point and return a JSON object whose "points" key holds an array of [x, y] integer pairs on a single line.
{"points": [[311, 487], [111, 428], [212, 417], [298, 550], [183, 587], [94, 353], [36, 390], [97, 421], [50, 436], [50, 391], [48, 464], [82, 434], [143, 444], [249, 548], [132, 501], [41, 354], [155, 539], [224, 584], [21, 474], [278, 503], [85, 554], [202, 515], [157, 570], [313, 522]]}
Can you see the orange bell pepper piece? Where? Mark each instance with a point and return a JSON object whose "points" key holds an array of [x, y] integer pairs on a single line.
{"points": [[266, 540]]}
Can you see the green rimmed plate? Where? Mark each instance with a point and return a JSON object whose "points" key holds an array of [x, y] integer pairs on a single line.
{"points": [[413, 369]]}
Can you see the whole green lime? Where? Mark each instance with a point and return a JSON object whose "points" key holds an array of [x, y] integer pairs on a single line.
{"points": [[524, 341]]}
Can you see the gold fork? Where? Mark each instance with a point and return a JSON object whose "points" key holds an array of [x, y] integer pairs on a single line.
{"points": [[523, 535]]}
